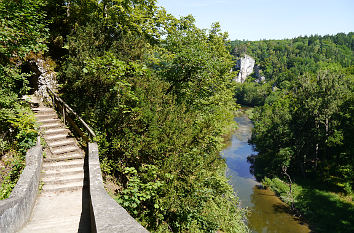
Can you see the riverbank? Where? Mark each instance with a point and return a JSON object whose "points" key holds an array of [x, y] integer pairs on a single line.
{"points": [[245, 110], [242, 111], [267, 213], [323, 210]]}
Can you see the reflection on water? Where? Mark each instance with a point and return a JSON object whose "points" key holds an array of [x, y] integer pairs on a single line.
{"points": [[267, 212]]}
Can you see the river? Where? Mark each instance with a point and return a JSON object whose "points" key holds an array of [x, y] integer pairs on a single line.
{"points": [[267, 212]]}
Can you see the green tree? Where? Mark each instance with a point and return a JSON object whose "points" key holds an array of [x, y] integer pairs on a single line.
{"points": [[23, 32], [159, 93], [302, 129], [283, 61]]}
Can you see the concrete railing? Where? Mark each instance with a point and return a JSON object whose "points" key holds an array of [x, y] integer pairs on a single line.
{"points": [[16, 210], [106, 214]]}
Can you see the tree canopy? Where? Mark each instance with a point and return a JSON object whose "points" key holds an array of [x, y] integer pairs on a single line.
{"points": [[282, 61], [23, 33], [159, 93]]}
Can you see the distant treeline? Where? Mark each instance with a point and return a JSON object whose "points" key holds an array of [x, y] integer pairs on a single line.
{"points": [[282, 61]]}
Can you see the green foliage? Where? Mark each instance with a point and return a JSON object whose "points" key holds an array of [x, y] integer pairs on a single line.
{"points": [[282, 61], [10, 178], [17, 135], [270, 124], [159, 93], [23, 31], [307, 123], [22, 28], [282, 189], [324, 211], [16, 124], [303, 127], [251, 93], [140, 189], [297, 56]]}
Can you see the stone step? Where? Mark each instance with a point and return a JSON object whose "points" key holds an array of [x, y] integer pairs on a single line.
{"points": [[56, 137], [48, 120], [60, 172], [67, 157], [56, 131], [57, 125], [64, 149], [46, 115], [63, 142], [66, 223], [43, 110], [62, 187], [64, 179], [64, 164]]}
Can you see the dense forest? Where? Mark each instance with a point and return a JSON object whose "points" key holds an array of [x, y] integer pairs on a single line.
{"points": [[159, 93], [303, 125], [157, 90], [20, 38], [282, 61]]}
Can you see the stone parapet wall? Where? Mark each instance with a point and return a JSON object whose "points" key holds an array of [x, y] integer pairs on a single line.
{"points": [[106, 214], [16, 210]]}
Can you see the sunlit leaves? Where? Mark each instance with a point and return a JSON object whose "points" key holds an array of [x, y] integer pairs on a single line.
{"points": [[22, 27], [304, 129], [159, 93]]}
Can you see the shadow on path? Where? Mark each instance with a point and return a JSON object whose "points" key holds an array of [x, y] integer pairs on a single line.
{"points": [[85, 219]]}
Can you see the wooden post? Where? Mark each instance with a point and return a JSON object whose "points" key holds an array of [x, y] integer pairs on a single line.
{"points": [[63, 113], [52, 100], [59, 103]]}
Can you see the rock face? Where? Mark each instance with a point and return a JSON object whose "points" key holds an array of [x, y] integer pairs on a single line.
{"points": [[46, 79], [260, 78], [245, 65]]}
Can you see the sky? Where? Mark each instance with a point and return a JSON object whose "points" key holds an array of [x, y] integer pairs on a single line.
{"points": [[268, 19]]}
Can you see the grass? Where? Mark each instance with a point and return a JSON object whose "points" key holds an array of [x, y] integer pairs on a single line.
{"points": [[11, 166], [40, 188], [325, 211]]}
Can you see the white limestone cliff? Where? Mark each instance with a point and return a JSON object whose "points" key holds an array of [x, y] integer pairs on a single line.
{"points": [[245, 64]]}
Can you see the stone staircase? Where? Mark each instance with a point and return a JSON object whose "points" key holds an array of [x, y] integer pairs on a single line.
{"points": [[66, 202], [64, 162], [63, 202]]}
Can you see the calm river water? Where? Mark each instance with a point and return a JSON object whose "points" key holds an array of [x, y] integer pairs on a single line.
{"points": [[267, 212]]}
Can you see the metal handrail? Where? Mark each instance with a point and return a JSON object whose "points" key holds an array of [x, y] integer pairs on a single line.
{"points": [[66, 108]]}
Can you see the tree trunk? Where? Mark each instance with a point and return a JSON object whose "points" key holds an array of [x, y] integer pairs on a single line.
{"points": [[284, 168], [68, 9]]}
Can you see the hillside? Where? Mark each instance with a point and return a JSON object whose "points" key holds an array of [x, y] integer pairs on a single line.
{"points": [[282, 61], [303, 123], [156, 89]]}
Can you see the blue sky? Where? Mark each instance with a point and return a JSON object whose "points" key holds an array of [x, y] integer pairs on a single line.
{"points": [[268, 19]]}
